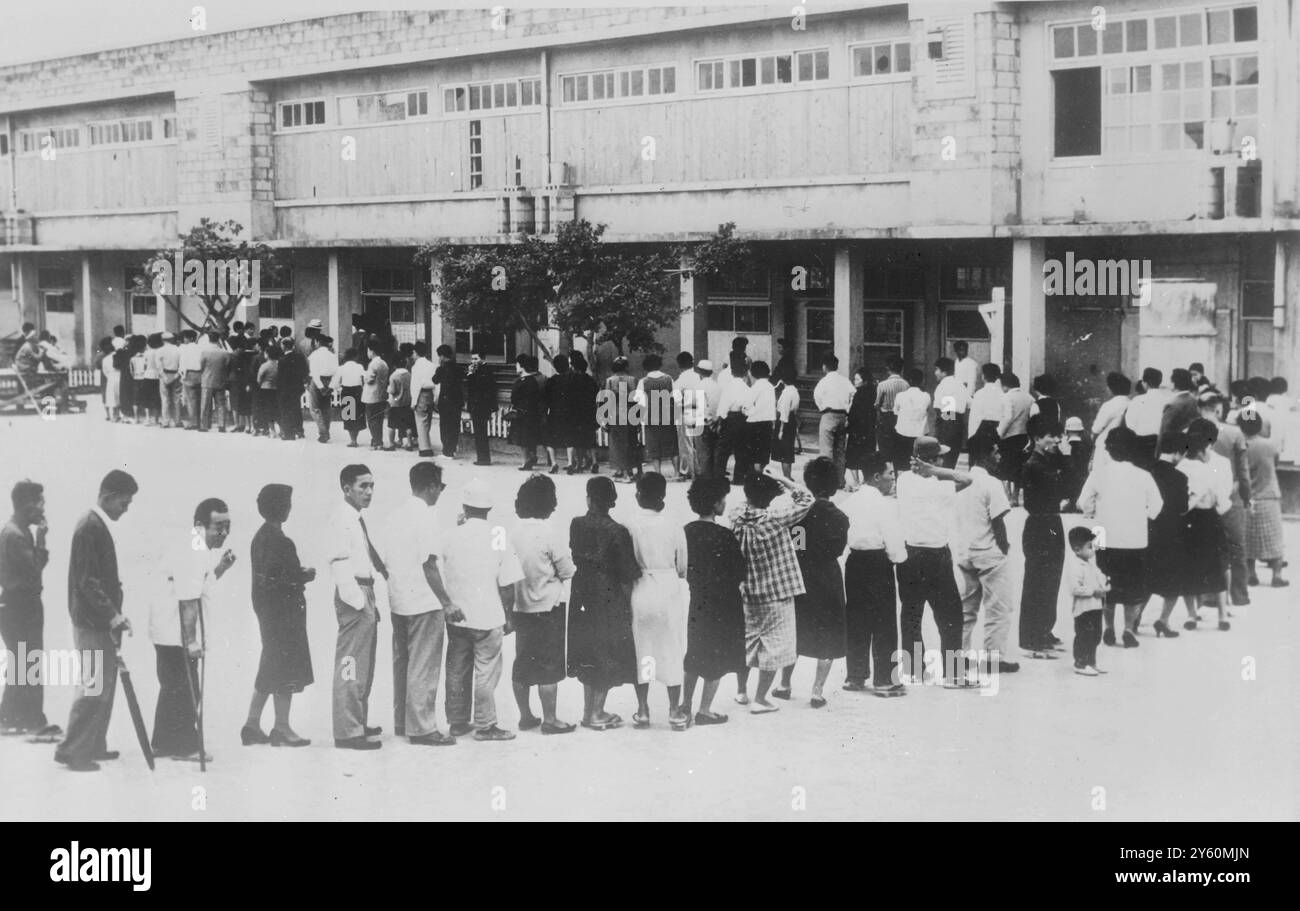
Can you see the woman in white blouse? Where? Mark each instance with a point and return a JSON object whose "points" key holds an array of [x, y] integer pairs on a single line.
{"points": [[1111, 414], [1209, 490]]}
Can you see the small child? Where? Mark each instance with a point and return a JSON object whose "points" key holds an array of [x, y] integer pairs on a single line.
{"points": [[1088, 586], [1078, 449]]}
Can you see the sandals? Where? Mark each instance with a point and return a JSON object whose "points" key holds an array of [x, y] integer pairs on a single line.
{"points": [[558, 727], [817, 702], [781, 692], [759, 708], [640, 721], [679, 722], [710, 718], [607, 725]]}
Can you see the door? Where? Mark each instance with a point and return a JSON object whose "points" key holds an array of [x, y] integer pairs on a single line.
{"points": [[816, 338], [963, 322]]}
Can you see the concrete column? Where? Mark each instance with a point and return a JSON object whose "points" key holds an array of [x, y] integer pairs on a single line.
{"points": [[850, 270], [435, 314], [87, 325], [332, 295], [690, 299], [1028, 309]]}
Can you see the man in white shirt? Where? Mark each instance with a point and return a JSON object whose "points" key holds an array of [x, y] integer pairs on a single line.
{"points": [[950, 403], [984, 564], [322, 364], [1286, 415], [684, 397], [177, 628], [420, 609], [422, 371], [191, 368], [871, 610], [965, 368], [912, 408], [354, 563], [703, 435], [832, 396], [730, 371], [479, 569], [760, 420], [926, 502], [1145, 413], [731, 420]]}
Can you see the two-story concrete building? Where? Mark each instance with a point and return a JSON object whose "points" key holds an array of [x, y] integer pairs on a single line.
{"points": [[893, 164]]}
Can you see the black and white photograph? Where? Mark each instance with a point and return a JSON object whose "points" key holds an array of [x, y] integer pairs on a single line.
{"points": [[802, 411]]}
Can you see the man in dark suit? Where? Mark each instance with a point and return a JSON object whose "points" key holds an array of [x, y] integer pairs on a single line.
{"points": [[481, 390], [450, 380], [95, 603], [22, 616]]}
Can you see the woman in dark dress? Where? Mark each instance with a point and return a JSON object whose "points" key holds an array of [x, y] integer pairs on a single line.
{"points": [[620, 389], [527, 410], [819, 539], [715, 626], [582, 393], [602, 653], [1166, 563], [862, 425], [281, 608], [290, 383], [656, 391], [559, 429]]}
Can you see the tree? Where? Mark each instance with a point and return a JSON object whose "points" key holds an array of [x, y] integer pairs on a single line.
{"points": [[228, 271], [577, 282]]}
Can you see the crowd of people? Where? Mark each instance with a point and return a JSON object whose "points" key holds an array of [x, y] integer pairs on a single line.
{"points": [[1176, 492]]}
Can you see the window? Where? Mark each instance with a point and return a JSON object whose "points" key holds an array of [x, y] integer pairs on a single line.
{"points": [[494, 346], [635, 82], [475, 154], [1234, 93], [120, 132], [33, 141], [275, 300], [881, 59], [748, 279], [58, 301], [169, 126], [1077, 95], [4, 143], [383, 107], [972, 282], [144, 304], [503, 94], [1160, 33], [733, 316], [301, 114], [56, 290], [388, 294], [883, 336], [1257, 328], [764, 69], [275, 306]]}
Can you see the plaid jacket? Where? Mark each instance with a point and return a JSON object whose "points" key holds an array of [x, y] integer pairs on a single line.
{"points": [[773, 572]]}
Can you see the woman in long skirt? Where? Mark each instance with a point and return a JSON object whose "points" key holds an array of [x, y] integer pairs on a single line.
{"points": [[862, 425], [125, 385], [1166, 564], [281, 608], [266, 406], [1209, 498], [655, 392], [602, 650], [1264, 521], [620, 390], [819, 537], [715, 629], [582, 392], [659, 601], [539, 612], [351, 377]]}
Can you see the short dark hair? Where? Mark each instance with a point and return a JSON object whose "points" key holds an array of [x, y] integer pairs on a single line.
{"points": [[421, 349], [1239, 388], [601, 490], [874, 463], [760, 489], [992, 373], [759, 370], [819, 477], [830, 362], [1196, 367], [894, 364], [203, 512], [286, 332], [237, 326], [425, 474], [651, 362], [1181, 379], [946, 365], [620, 364], [1118, 383], [704, 492], [1010, 380], [1152, 378], [1277, 385], [214, 336], [274, 502], [685, 359], [536, 498], [916, 376], [447, 351], [1080, 535], [25, 492], [118, 483], [1251, 423], [348, 476], [1040, 425], [737, 363], [863, 371], [577, 362], [1045, 384], [118, 330], [651, 487], [561, 363], [960, 347], [1121, 444], [739, 343]]}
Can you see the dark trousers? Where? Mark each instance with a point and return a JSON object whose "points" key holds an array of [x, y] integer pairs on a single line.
{"points": [[22, 626], [758, 445], [375, 412], [730, 440], [93, 707], [290, 403], [871, 617], [449, 427], [902, 454], [193, 397], [1087, 636], [482, 448], [950, 432], [705, 443], [1043, 542], [927, 576], [175, 725]]}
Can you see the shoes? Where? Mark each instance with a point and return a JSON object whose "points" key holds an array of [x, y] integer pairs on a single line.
{"points": [[373, 732], [742, 699], [81, 765], [710, 718], [529, 723], [1130, 640], [482, 464], [356, 743], [191, 757], [249, 736], [762, 708], [1190, 624], [854, 686], [558, 727], [555, 469], [492, 732], [279, 739], [1253, 580], [527, 467], [1108, 637], [1225, 625], [817, 702], [435, 739], [781, 692], [1085, 671], [1162, 629], [1008, 667], [460, 730], [107, 755], [1279, 583], [1049, 656], [886, 692]]}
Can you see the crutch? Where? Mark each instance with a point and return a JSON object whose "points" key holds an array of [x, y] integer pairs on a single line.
{"points": [[196, 689]]}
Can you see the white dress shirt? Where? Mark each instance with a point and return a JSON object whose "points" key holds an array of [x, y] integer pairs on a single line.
{"points": [[951, 397], [787, 404], [190, 576], [925, 507], [547, 565], [322, 364], [189, 356], [1145, 411], [985, 405], [967, 373], [761, 403], [1013, 421], [350, 558], [1108, 417], [707, 400], [476, 561], [1122, 498], [735, 395], [421, 376], [411, 538], [977, 506], [874, 523], [912, 406], [834, 391], [685, 387]]}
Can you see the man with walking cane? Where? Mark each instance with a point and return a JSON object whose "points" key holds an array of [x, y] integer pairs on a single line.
{"points": [[95, 603], [176, 628]]}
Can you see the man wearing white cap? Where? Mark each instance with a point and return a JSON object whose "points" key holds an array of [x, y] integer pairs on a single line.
{"points": [[479, 570], [306, 343]]}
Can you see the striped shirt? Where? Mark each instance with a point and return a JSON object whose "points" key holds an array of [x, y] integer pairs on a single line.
{"points": [[887, 391]]}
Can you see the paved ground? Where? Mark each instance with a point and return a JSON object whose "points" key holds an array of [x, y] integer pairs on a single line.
{"points": [[1175, 731]]}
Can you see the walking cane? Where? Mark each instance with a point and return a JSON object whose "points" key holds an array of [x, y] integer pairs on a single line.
{"points": [[196, 692]]}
